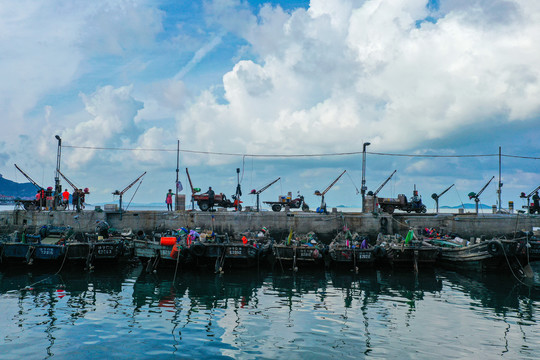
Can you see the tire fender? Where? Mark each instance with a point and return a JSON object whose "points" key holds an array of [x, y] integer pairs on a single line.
{"points": [[495, 248]]}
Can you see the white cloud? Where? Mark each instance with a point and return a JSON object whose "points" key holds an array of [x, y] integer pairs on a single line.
{"points": [[317, 80], [111, 123], [347, 71]]}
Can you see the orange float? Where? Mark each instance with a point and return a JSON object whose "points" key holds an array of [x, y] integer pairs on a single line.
{"points": [[168, 241]]}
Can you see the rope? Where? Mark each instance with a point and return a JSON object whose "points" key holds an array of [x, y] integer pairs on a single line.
{"points": [[56, 273], [279, 258], [127, 207], [176, 269], [510, 267], [350, 177], [294, 258]]}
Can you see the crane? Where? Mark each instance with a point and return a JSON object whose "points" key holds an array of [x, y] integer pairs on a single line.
{"points": [[29, 178], [532, 210], [476, 197], [436, 197], [322, 209], [32, 205], [193, 190], [384, 183], [257, 192], [69, 182], [121, 193], [75, 189], [380, 188]]}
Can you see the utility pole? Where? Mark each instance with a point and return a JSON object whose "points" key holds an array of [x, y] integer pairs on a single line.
{"points": [[177, 170], [500, 183], [57, 186], [238, 190], [364, 188]]}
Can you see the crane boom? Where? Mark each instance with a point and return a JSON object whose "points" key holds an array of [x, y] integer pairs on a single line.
{"points": [[384, 183], [476, 197], [69, 182], [437, 196], [129, 186], [532, 192], [333, 183], [266, 187], [29, 178], [190, 184], [444, 192], [485, 186], [262, 189]]}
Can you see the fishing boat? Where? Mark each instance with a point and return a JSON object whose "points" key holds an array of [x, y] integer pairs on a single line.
{"points": [[48, 252], [352, 251], [16, 249], [484, 255], [43, 248], [409, 251], [51, 246], [299, 250], [77, 249], [247, 249], [116, 248], [162, 249], [532, 250]]}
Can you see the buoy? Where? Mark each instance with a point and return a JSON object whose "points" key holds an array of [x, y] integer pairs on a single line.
{"points": [[168, 241], [174, 251]]}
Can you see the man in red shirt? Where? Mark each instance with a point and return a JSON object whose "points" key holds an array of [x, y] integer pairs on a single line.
{"points": [[65, 199]]}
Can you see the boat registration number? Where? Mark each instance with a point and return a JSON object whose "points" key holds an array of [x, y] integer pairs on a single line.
{"points": [[306, 253], [46, 251], [235, 251], [105, 250], [364, 256]]}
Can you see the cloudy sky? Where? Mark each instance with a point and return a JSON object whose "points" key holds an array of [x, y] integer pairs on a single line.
{"points": [[249, 83]]}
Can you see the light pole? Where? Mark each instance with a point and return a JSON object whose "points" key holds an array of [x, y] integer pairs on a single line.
{"points": [[57, 186], [364, 188]]}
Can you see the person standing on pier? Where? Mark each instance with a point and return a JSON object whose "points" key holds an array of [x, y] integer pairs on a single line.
{"points": [[65, 199], [82, 195], [211, 195], [75, 199], [168, 200], [40, 199], [536, 202]]}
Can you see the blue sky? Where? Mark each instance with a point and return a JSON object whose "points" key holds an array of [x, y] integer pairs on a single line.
{"points": [[418, 77]]}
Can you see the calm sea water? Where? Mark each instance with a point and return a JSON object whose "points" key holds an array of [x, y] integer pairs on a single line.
{"points": [[124, 313]]}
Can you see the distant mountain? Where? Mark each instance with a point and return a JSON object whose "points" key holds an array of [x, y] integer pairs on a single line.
{"points": [[17, 190], [467, 206]]}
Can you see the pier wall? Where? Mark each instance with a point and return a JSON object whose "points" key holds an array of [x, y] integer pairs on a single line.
{"points": [[326, 226]]}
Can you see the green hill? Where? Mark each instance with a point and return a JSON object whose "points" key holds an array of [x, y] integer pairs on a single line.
{"points": [[17, 190]]}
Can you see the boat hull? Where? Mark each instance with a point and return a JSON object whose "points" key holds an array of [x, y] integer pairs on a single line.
{"points": [[491, 255], [411, 256], [351, 257], [157, 255], [297, 256], [228, 255]]}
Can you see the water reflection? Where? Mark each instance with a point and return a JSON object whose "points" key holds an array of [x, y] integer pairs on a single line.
{"points": [[498, 292], [260, 314]]}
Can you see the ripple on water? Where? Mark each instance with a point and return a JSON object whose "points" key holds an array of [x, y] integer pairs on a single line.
{"points": [[321, 315]]}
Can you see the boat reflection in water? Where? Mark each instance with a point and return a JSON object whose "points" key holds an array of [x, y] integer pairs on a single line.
{"points": [[264, 314]]}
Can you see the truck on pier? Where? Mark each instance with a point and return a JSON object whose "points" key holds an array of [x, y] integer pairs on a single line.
{"points": [[388, 205], [204, 202]]}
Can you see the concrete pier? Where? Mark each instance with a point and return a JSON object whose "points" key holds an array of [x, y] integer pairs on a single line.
{"points": [[279, 224]]}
